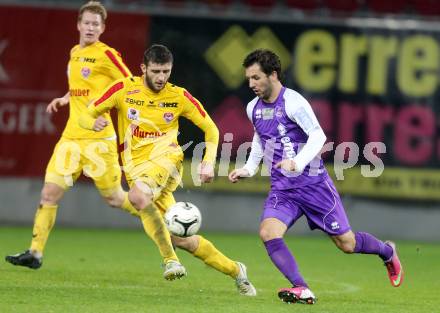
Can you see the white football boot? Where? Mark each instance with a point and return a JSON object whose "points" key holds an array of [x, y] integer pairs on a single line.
{"points": [[174, 270], [244, 286]]}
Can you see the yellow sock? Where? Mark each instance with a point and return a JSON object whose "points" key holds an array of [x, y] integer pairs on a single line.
{"points": [[44, 221], [155, 227], [127, 206], [214, 258]]}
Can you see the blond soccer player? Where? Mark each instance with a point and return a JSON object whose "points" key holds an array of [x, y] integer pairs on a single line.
{"points": [[149, 108], [92, 66]]}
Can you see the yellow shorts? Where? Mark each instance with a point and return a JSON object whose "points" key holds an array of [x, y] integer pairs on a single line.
{"points": [[162, 176], [96, 158]]}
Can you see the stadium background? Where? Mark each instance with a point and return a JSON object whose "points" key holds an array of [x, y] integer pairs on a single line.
{"points": [[369, 68]]}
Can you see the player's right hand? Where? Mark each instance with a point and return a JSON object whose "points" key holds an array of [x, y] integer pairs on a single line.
{"points": [[55, 103], [238, 173], [206, 172], [100, 124]]}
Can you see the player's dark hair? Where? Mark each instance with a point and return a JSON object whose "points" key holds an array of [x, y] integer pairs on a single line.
{"points": [[95, 7], [268, 61], [159, 54]]}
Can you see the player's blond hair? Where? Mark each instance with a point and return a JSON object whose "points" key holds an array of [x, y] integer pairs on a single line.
{"points": [[95, 7]]}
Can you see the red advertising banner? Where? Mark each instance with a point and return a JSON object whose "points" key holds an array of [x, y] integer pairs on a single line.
{"points": [[374, 89], [34, 51]]}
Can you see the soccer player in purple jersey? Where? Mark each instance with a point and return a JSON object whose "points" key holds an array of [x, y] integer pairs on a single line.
{"points": [[289, 138]]}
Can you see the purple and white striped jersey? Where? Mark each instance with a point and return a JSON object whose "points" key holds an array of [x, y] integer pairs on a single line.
{"points": [[286, 129]]}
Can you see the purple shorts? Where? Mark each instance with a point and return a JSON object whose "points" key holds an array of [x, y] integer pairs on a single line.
{"points": [[320, 203]]}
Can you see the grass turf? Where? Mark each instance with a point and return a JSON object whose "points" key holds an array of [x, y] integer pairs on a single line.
{"points": [[119, 271]]}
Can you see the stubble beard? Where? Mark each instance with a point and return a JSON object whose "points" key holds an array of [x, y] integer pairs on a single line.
{"points": [[150, 84], [267, 93]]}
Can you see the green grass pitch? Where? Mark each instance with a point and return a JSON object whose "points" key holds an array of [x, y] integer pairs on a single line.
{"points": [[106, 271]]}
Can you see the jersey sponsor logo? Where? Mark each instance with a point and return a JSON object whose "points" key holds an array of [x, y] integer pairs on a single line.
{"points": [[85, 72], [137, 132], [168, 117], [267, 113], [134, 101], [168, 104], [84, 59], [285, 140], [133, 114], [79, 92], [334, 225], [279, 112], [288, 149], [281, 129], [258, 113], [131, 92]]}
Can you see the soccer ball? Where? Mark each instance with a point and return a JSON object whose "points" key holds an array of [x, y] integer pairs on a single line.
{"points": [[183, 219]]}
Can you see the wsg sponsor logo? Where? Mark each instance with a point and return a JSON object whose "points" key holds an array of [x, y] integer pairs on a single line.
{"points": [[79, 92]]}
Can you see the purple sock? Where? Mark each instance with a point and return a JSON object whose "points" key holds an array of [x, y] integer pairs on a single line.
{"points": [[284, 261], [368, 244]]}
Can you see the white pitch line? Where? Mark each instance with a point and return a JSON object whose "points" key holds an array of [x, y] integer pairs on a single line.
{"points": [[343, 287]]}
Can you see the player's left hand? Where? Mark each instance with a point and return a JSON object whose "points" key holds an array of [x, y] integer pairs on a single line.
{"points": [[287, 165], [238, 173], [100, 124], [206, 172]]}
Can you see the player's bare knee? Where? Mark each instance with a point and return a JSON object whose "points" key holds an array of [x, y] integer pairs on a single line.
{"points": [[139, 200], [345, 242], [189, 244], [178, 242], [136, 200], [51, 194], [346, 246], [267, 234], [114, 201], [140, 195], [272, 228], [47, 197], [114, 197]]}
